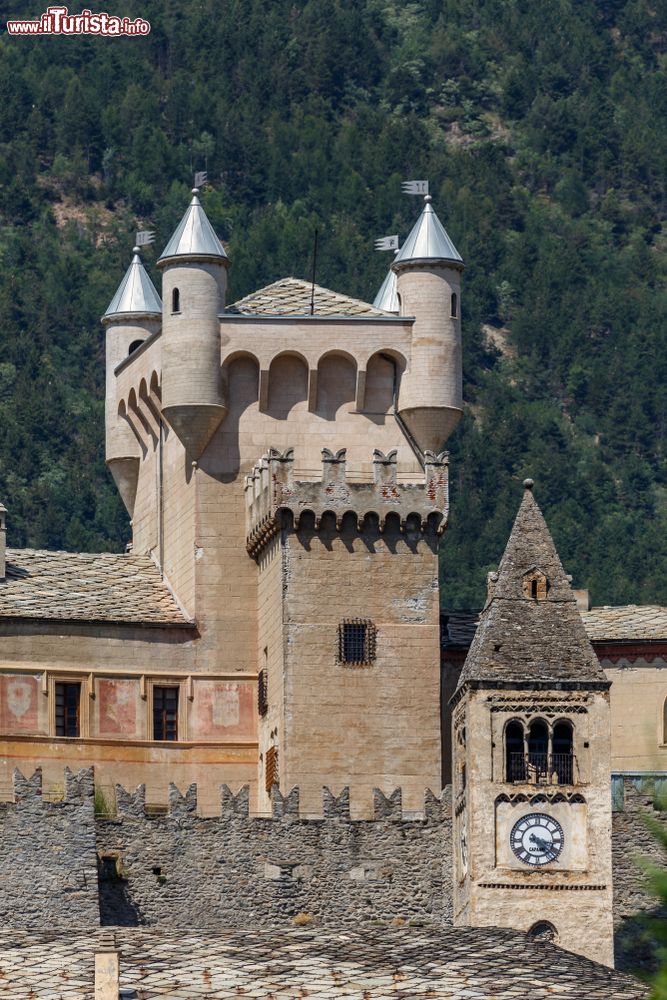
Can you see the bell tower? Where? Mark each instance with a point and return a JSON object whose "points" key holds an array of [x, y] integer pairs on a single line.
{"points": [[532, 805]]}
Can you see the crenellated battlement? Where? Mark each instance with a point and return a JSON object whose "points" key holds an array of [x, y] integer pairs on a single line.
{"points": [[236, 805], [272, 489]]}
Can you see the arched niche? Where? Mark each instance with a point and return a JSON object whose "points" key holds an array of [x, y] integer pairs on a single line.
{"points": [[383, 373], [336, 384], [288, 385], [241, 374]]}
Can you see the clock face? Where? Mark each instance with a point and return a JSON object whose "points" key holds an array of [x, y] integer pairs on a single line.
{"points": [[537, 839]]}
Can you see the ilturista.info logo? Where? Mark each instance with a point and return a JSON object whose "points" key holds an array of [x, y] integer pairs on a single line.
{"points": [[59, 21]]}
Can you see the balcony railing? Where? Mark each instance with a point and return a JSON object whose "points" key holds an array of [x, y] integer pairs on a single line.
{"points": [[542, 768]]}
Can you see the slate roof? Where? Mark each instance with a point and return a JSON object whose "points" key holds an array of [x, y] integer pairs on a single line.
{"points": [[519, 638], [75, 586], [626, 624], [291, 297], [407, 962]]}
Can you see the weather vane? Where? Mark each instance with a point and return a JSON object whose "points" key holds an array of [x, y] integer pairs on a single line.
{"points": [[415, 187]]}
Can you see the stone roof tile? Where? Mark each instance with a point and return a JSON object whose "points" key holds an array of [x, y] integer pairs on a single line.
{"points": [[624, 623], [291, 297], [521, 638], [630, 623], [335, 962], [77, 586]]}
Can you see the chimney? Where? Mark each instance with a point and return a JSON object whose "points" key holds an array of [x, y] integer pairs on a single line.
{"points": [[583, 600], [107, 968], [3, 540]]}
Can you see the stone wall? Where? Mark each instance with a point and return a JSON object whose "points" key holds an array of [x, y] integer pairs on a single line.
{"points": [[633, 844], [48, 865], [181, 869], [184, 870]]}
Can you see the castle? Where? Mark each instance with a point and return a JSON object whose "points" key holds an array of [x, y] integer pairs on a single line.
{"points": [[277, 620]]}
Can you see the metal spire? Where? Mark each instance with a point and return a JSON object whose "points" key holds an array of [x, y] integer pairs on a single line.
{"points": [[428, 240], [136, 293], [194, 236], [387, 297]]}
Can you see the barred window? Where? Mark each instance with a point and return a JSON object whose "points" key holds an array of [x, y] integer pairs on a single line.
{"points": [[68, 704], [357, 641], [165, 713], [262, 693], [271, 768]]}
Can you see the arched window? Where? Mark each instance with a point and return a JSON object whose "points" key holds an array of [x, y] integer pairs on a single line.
{"points": [[515, 761], [175, 301], [133, 346], [535, 585], [538, 749], [543, 931], [454, 306], [562, 758]]}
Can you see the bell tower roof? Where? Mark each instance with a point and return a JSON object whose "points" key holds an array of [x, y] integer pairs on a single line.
{"points": [[194, 236], [136, 293], [428, 241], [530, 632]]}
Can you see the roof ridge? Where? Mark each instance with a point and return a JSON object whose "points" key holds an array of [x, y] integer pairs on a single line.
{"points": [[303, 285]]}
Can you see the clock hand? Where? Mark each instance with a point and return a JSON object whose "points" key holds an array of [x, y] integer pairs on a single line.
{"points": [[542, 844]]}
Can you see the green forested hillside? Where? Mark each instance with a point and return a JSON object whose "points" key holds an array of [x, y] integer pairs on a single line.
{"points": [[543, 130]]}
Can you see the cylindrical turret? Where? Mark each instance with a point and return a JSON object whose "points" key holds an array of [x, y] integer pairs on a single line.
{"points": [[194, 284], [428, 284], [134, 313]]}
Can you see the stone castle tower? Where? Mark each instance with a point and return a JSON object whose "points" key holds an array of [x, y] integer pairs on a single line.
{"points": [[532, 808], [284, 467]]}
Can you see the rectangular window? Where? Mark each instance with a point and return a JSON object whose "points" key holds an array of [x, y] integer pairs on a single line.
{"points": [[68, 709], [165, 713], [356, 641], [271, 768]]}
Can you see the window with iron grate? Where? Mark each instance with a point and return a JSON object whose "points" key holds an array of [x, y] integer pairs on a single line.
{"points": [[262, 693], [357, 641], [165, 713], [271, 768], [68, 705]]}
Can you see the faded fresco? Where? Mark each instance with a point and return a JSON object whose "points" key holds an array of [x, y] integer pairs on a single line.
{"points": [[223, 710], [117, 713], [19, 703]]}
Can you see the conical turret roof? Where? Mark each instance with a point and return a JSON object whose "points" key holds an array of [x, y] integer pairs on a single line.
{"points": [[387, 297], [136, 293], [428, 240], [194, 236], [531, 632]]}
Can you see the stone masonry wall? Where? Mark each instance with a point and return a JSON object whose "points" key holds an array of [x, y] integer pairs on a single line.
{"points": [[184, 870], [634, 843], [48, 864]]}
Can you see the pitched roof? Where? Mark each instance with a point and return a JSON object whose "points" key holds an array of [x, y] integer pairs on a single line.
{"points": [[291, 297], [523, 639], [75, 586], [428, 240], [136, 293], [624, 623], [316, 961], [194, 236], [629, 623]]}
